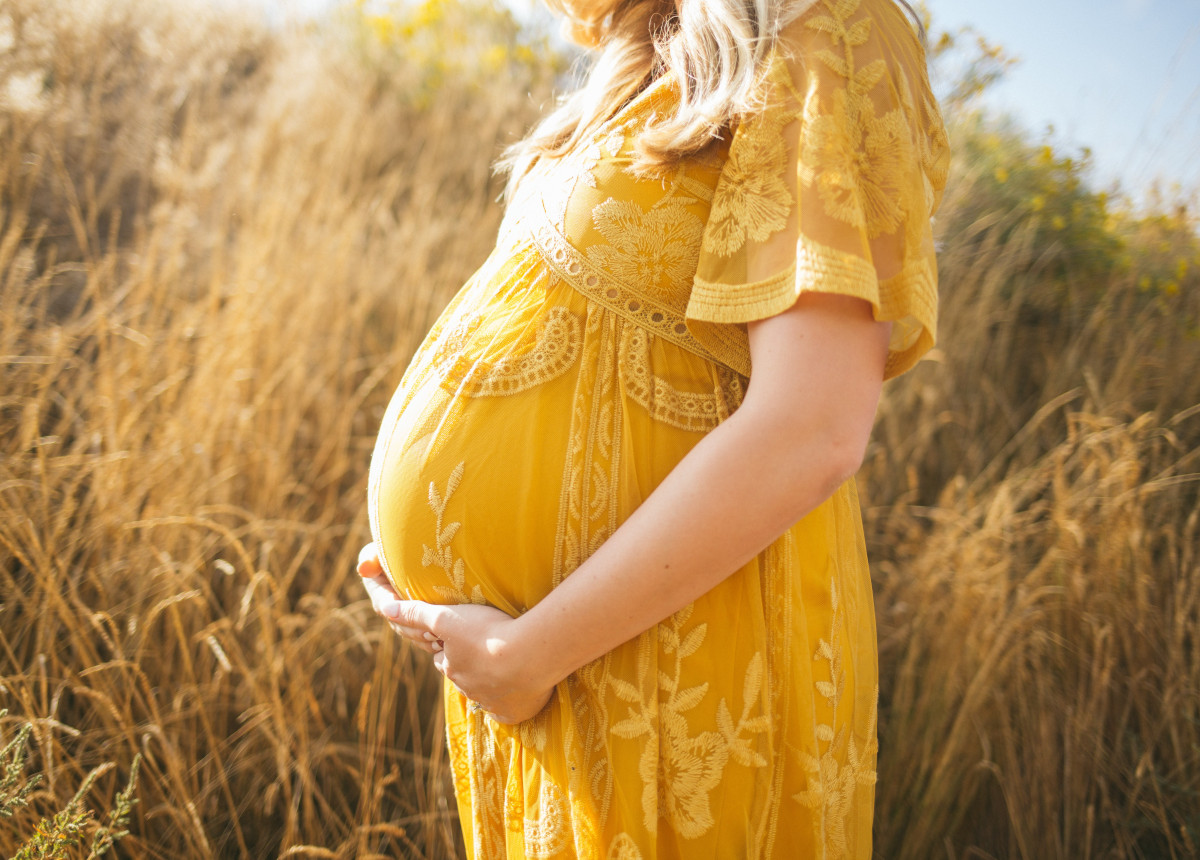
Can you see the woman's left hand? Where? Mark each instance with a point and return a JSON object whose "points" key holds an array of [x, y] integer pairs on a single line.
{"points": [[478, 648]]}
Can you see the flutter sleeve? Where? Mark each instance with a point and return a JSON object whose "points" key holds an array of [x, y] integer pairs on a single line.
{"points": [[831, 186]]}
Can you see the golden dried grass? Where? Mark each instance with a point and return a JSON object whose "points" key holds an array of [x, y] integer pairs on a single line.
{"points": [[219, 246], [218, 249]]}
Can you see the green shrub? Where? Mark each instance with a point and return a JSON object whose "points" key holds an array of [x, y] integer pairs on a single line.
{"points": [[55, 836]]}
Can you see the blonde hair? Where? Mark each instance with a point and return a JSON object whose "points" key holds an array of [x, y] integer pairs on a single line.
{"points": [[717, 50]]}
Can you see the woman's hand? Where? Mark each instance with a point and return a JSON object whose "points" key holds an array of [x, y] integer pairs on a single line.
{"points": [[479, 648], [384, 598]]}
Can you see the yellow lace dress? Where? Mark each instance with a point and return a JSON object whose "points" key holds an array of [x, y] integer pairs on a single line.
{"points": [[604, 337]]}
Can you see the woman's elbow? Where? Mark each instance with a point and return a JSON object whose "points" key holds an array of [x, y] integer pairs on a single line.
{"points": [[811, 462], [845, 452]]}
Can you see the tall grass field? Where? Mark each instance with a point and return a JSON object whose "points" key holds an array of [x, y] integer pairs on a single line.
{"points": [[219, 245]]}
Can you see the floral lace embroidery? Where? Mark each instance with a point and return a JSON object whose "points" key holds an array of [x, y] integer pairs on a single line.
{"points": [[601, 287], [656, 248], [587, 742], [587, 516], [441, 555], [623, 848], [929, 148], [555, 349], [456, 741], [832, 781], [679, 770], [693, 733], [610, 144], [514, 802], [777, 575], [488, 789], [856, 160], [752, 199], [545, 836], [532, 732], [694, 411], [587, 507]]}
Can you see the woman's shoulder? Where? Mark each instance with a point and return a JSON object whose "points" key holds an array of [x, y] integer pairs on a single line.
{"points": [[856, 22], [859, 44], [830, 184], [860, 65]]}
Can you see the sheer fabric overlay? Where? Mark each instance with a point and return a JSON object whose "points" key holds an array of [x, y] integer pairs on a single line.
{"points": [[604, 336]]}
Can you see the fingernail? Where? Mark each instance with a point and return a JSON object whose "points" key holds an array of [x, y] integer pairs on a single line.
{"points": [[391, 610], [429, 637]]}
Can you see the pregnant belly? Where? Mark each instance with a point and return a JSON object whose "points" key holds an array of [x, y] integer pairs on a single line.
{"points": [[464, 492]]}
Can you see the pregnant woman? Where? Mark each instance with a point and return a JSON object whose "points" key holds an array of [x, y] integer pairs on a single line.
{"points": [[613, 494]]}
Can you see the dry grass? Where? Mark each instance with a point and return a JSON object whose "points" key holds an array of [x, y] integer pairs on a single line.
{"points": [[203, 312], [219, 246], [1035, 538]]}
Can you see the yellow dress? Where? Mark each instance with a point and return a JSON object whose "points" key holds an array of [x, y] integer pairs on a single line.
{"points": [[602, 339]]}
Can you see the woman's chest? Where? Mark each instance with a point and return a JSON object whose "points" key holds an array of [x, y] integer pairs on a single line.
{"points": [[618, 236]]}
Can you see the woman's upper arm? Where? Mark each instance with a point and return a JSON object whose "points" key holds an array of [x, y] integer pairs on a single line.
{"points": [[818, 373]]}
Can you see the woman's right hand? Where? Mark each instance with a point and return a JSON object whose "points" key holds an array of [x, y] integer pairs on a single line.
{"points": [[478, 654], [385, 600]]}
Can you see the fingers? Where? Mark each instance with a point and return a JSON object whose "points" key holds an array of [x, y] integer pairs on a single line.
{"points": [[417, 615], [412, 624], [416, 638], [411, 619], [423, 639], [380, 590], [368, 561], [384, 599], [408, 613]]}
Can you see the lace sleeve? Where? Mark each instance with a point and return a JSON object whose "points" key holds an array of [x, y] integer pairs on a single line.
{"points": [[831, 186]]}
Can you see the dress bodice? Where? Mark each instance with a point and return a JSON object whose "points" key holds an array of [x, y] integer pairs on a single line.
{"points": [[631, 243], [829, 185]]}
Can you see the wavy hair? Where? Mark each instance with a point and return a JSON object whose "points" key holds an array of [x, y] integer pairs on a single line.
{"points": [[717, 50]]}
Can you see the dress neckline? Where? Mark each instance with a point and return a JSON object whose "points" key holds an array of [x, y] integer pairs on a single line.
{"points": [[628, 110]]}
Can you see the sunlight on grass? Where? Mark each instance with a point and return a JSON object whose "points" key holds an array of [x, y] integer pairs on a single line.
{"points": [[220, 244]]}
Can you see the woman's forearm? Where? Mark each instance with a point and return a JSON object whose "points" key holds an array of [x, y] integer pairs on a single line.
{"points": [[721, 506], [777, 458]]}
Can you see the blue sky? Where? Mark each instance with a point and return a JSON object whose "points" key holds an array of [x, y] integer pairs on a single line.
{"points": [[1119, 76]]}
